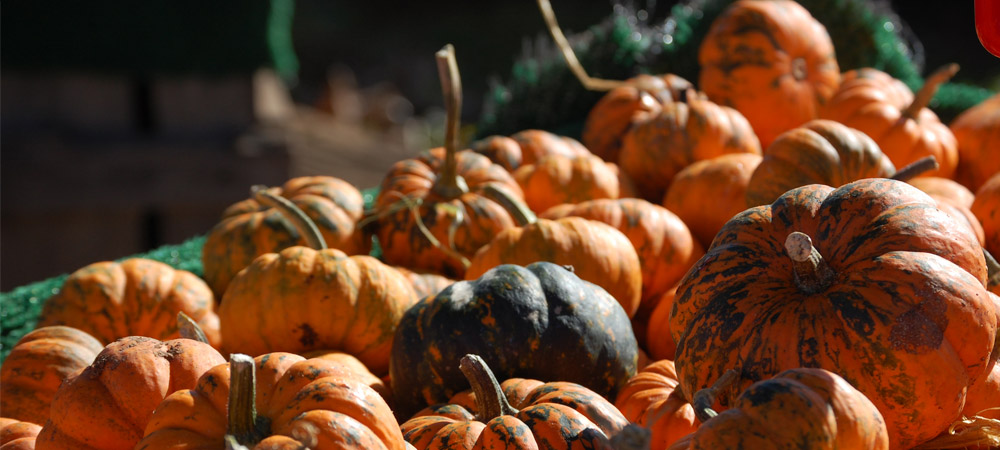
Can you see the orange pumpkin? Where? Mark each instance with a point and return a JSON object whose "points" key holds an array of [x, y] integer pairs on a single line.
{"points": [[17, 435], [107, 406], [899, 122], [652, 399], [986, 208], [554, 180], [37, 365], [275, 401], [983, 398], [977, 131], [722, 179], [659, 341], [944, 188], [136, 297], [425, 284], [770, 60], [527, 147], [250, 228]]}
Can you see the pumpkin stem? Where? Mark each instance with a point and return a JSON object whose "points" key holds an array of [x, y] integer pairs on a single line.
{"points": [[992, 270], [517, 209], [231, 443], [490, 400], [449, 184], [812, 274], [916, 168], [302, 223], [705, 398], [591, 84], [189, 329], [243, 400], [926, 93]]}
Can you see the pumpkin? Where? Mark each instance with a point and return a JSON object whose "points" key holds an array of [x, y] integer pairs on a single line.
{"points": [[550, 415], [899, 122], [109, 403], [818, 152], [797, 409], [17, 435], [659, 341], [770, 60], [983, 398], [665, 247], [135, 297], [723, 179], [36, 366], [541, 322], [425, 284], [250, 228], [655, 150], [944, 188], [986, 208], [634, 101], [277, 400], [554, 180], [651, 399], [614, 265], [977, 131], [870, 279], [429, 213], [527, 147]]}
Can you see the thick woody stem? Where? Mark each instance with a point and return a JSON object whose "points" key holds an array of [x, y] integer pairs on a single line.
{"points": [[242, 400], [705, 398], [812, 274], [490, 400], [926, 93], [592, 84], [302, 223], [189, 329], [517, 209], [449, 184], [916, 168]]}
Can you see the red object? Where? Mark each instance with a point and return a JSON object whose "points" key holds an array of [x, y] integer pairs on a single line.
{"points": [[988, 25]]}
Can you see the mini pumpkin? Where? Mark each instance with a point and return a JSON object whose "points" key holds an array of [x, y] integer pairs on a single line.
{"points": [[653, 400], [771, 61], [554, 179], [977, 131], [135, 297], [986, 208], [17, 435], [659, 341], [36, 366]]}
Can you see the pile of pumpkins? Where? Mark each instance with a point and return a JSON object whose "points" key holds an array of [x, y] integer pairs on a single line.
{"points": [[784, 256]]}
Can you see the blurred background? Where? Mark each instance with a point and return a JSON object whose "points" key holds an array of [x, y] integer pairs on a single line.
{"points": [[125, 126]]}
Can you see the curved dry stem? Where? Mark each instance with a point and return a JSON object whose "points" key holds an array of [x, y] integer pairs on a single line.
{"points": [[916, 168], [705, 398], [517, 209], [490, 400], [413, 204], [592, 84], [812, 274], [242, 400], [992, 270], [302, 223], [967, 432], [926, 93], [189, 329], [449, 185]]}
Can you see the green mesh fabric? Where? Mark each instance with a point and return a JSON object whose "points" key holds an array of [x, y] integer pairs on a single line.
{"points": [[540, 91], [19, 308]]}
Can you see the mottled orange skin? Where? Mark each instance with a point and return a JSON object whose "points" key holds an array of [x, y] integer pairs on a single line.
{"points": [[818, 152], [655, 150], [651, 399], [554, 415], [983, 398], [37, 365], [403, 244], [977, 131], [873, 102], [294, 394], [665, 246], [797, 409], [425, 284], [249, 229], [107, 406], [555, 179], [136, 297], [659, 341], [598, 252], [986, 208], [527, 147], [17, 435], [640, 98], [361, 372], [905, 318], [772, 61], [325, 301], [722, 179]]}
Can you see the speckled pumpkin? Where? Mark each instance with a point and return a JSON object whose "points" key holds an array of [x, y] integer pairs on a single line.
{"points": [[722, 179], [818, 152], [17, 435], [986, 207], [977, 131], [37, 365], [899, 122], [135, 297], [772, 61], [296, 400], [954, 199], [540, 322], [556, 179], [871, 280], [651, 399], [107, 406], [655, 150], [554, 415], [249, 229], [326, 301]]}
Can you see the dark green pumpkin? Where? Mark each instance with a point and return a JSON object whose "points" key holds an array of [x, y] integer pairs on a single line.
{"points": [[540, 322]]}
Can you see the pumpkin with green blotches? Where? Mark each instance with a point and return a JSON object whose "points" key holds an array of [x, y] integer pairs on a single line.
{"points": [[18, 435], [249, 228], [540, 322], [135, 297], [870, 279], [652, 399]]}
